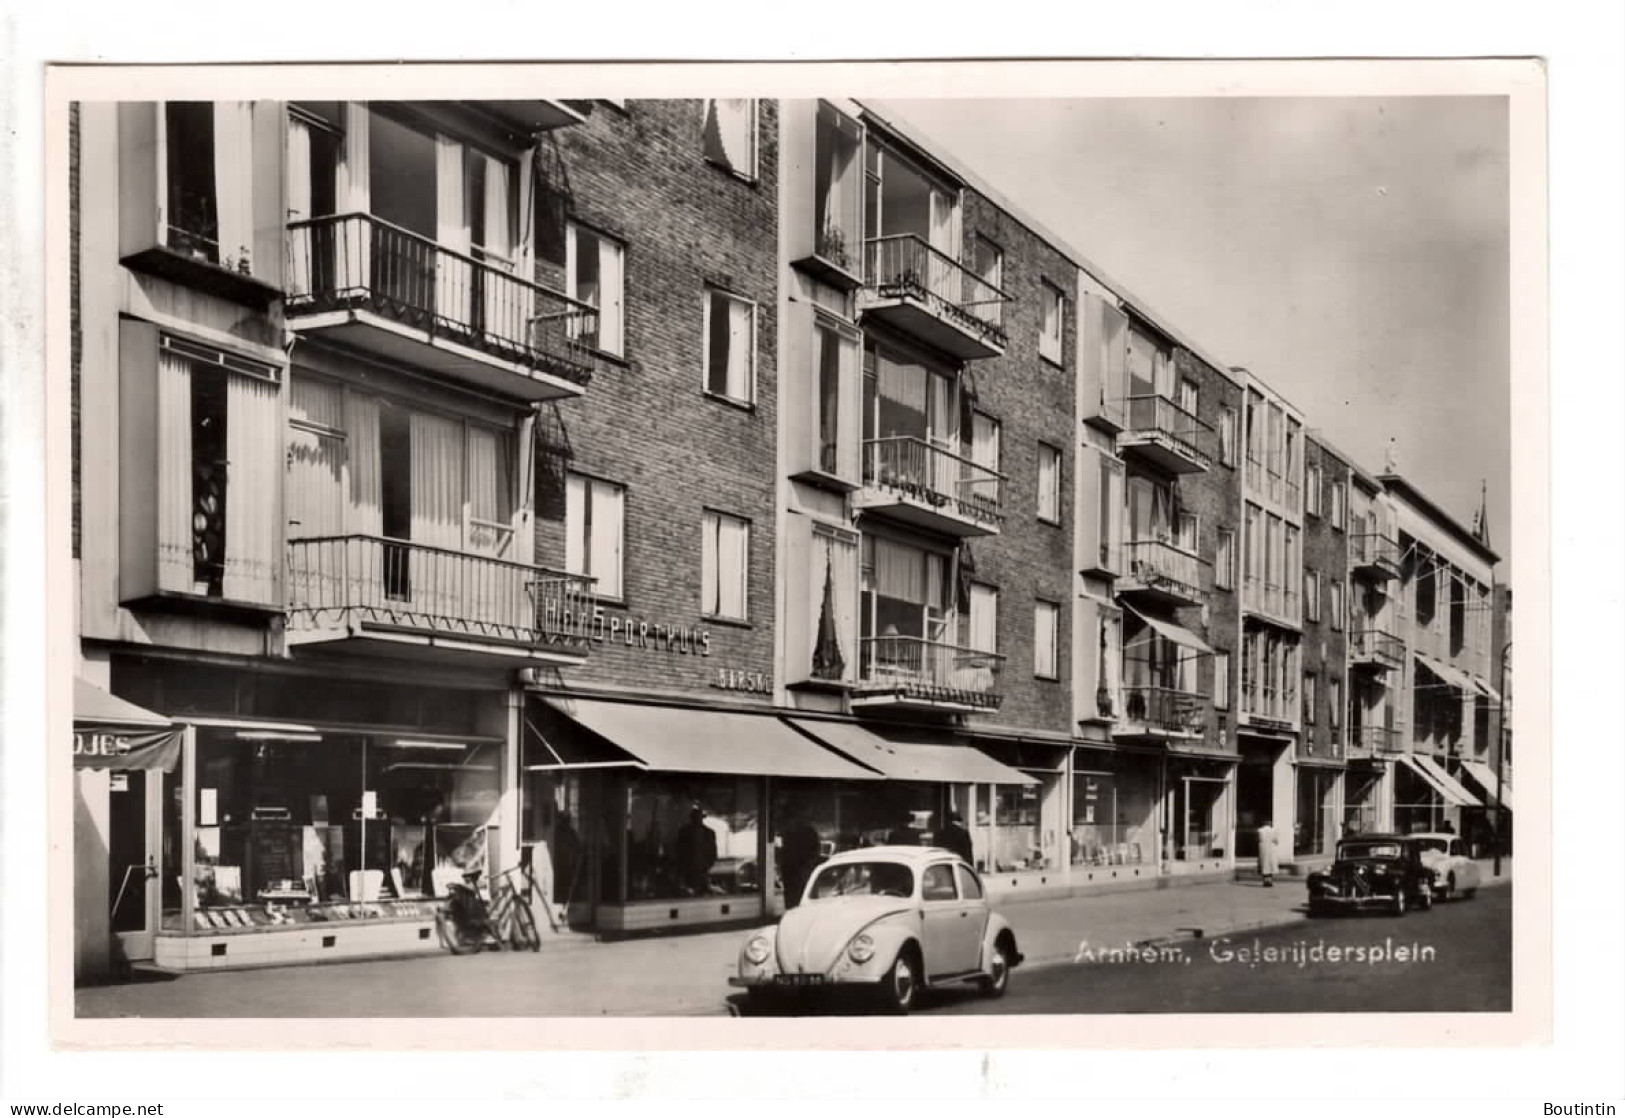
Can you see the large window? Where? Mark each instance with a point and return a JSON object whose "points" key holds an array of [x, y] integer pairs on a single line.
{"points": [[595, 515], [1046, 627], [1049, 484], [191, 206], [594, 274], [689, 836], [1052, 322], [730, 134], [725, 566], [730, 347], [837, 190], [1316, 815], [1113, 813], [835, 364], [901, 200], [906, 605]]}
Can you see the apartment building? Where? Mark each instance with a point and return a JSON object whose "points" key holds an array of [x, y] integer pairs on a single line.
{"points": [[1376, 653], [1330, 640]]}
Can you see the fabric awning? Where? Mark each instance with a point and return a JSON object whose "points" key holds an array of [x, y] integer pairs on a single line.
{"points": [[1453, 676], [110, 733], [1440, 781], [1484, 777], [927, 763], [1486, 690], [1176, 633], [684, 739]]}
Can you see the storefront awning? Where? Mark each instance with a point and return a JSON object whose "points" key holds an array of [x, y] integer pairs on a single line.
{"points": [[927, 763], [109, 733], [1176, 633], [1439, 780], [1486, 690], [684, 739], [1453, 676], [1485, 778]]}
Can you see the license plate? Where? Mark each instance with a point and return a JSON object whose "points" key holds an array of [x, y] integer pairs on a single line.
{"points": [[798, 979]]}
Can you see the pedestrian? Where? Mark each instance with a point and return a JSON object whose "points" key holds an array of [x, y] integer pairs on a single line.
{"points": [[1266, 853], [953, 836], [696, 853], [800, 848], [903, 834]]}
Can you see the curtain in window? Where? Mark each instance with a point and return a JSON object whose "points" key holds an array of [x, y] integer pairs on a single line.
{"points": [[826, 361], [354, 244], [900, 573], [505, 307], [608, 514], [945, 273], [490, 492], [728, 133], [524, 237], [438, 586], [254, 465], [233, 181], [984, 618], [315, 459], [453, 276], [730, 346], [576, 527], [298, 279], [610, 281], [1044, 633], [902, 398], [366, 511], [174, 473], [724, 561]]}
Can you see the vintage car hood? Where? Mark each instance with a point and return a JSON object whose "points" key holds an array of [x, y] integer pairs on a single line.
{"points": [[812, 934], [1366, 866]]}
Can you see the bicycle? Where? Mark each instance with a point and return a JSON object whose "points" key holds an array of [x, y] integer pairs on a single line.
{"points": [[467, 922]]}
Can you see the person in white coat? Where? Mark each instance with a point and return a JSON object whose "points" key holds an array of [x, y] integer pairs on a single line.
{"points": [[1267, 844]]}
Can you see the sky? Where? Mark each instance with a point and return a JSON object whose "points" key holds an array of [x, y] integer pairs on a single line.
{"points": [[1352, 252]]}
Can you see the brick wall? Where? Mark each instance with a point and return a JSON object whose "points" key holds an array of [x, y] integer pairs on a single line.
{"points": [[1325, 649], [641, 177], [1033, 400]]}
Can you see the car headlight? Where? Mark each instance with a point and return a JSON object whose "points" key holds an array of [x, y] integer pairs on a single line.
{"points": [[861, 949], [758, 949]]}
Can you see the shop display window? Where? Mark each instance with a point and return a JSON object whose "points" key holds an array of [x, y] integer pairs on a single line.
{"points": [[690, 836], [1017, 827], [1112, 819]]}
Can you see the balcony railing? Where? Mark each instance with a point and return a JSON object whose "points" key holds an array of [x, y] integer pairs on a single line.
{"points": [[357, 261], [349, 581], [1374, 554], [1157, 420], [1164, 709], [1279, 602], [1374, 739], [935, 476], [1160, 566], [1268, 703], [908, 267], [916, 669], [1378, 647]]}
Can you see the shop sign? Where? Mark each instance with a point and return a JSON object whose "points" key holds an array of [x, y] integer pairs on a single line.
{"points": [[604, 628], [124, 747], [733, 679]]}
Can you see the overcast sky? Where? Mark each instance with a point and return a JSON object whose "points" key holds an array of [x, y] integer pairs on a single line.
{"points": [[1353, 252]]}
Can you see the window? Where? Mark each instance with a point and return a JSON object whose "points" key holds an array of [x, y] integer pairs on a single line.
{"points": [[1337, 605], [724, 566], [730, 134], [987, 261], [1188, 393], [983, 635], [1311, 595], [1426, 599], [938, 883], [1049, 484], [1227, 436], [969, 887], [1185, 531], [1221, 680], [1334, 705], [1224, 565], [1045, 635], [1052, 306], [835, 363], [594, 517], [730, 347], [1311, 483], [1310, 697], [837, 189], [594, 274], [191, 206], [1338, 510]]}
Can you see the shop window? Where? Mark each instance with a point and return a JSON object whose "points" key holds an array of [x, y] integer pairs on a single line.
{"points": [[730, 347], [1046, 626], [725, 566], [594, 275], [1113, 816], [1052, 322], [837, 189], [595, 515], [1016, 828], [730, 134], [690, 836], [1316, 791], [1049, 484]]}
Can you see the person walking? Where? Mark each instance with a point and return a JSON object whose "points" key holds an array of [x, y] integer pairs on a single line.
{"points": [[953, 836], [1267, 844], [800, 851]]}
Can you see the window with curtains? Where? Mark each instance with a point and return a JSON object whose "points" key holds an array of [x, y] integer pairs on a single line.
{"points": [[905, 593], [1052, 322], [594, 274], [1049, 484], [1311, 697], [982, 630], [730, 134], [986, 449], [1227, 436], [987, 261], [725, 566], [835, 367], [1339, 506], [1311, 596], [207, 190], [595, 518], [837, 189], [730, 347], [1224, 563], [1221, 680], [1188, 394], [1337, 605], [1046, 640]]}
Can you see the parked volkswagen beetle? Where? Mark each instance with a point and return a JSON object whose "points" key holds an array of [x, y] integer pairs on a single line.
{"points": [[887, 920]]}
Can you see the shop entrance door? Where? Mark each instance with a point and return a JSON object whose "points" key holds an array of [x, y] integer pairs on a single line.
{"points": [[132, 860], [1255, 802]]}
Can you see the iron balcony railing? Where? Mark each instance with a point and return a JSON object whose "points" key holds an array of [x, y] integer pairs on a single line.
{"points": [[916, 668], [1156, 416], [1374, 739], [333, 580], [911, 465], [1374, 550], [1165, 708], [1377, 645], [1160, 565], [906, 266], [356, 261]]}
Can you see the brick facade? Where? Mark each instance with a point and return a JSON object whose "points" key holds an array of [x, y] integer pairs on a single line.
{"points": [[1325, 642]]}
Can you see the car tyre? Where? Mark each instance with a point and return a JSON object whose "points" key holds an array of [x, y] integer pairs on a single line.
{"points": [[1424, 897], [997, 980], [1397, 905], [901, 985]]}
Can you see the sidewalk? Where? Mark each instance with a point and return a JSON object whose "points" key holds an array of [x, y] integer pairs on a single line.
{"points": [[673, 976]]}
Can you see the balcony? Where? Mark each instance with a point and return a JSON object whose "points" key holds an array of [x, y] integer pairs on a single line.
{"points": [[1161, 712], [1268, 707], [1166, 435], [912, 673], [926, 486], [1375, 649], [923, 292], [1373, 741], [364, 283], [1373, 556], [397, 598], [1160, 572], [1278, 605]]}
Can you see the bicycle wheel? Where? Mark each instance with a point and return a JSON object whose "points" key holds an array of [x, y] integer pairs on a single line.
{"points": [[525, 933], [459, 939]]}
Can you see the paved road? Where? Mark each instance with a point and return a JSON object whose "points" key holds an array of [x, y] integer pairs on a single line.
{"points": [[1459, 961]]}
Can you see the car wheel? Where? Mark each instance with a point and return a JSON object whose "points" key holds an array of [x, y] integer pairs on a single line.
{"points": [[1316, 908], [1397, 905], [997, 980], [1424, 897], [901, 984]]}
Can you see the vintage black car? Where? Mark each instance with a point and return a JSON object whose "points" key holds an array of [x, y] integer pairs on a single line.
{"points": [[1373, 871]]}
